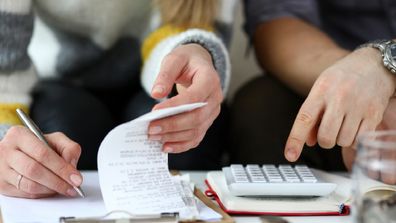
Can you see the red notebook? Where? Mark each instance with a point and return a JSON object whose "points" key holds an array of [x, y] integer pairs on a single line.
{"points": [[334, 204]]}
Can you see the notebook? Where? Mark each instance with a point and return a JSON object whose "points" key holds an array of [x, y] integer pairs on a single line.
{"points": [[337, 203]]}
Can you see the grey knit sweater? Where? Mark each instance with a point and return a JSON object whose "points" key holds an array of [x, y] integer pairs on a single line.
{"points": [[79, 31]]}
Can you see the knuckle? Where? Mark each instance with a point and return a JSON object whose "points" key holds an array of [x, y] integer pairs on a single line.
{"points": [[305, 118], [193, 97], [32, 187], [326, 142], [60, 186], [58, 134], [322, 85], [41, 152], [174, 57], [170, 125], [32, 169], [63, 169], [75, 148], [15, 131], [194, 133], [295, 140], [199, 117]]}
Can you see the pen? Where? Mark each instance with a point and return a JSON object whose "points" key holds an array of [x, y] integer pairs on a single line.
{"points": [[28, 122]]}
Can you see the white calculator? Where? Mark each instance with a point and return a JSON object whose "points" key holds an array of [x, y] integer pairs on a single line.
{"points": [[269, 180]]}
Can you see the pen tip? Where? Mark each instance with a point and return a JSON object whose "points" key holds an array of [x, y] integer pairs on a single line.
{"points": [[80, 192]]}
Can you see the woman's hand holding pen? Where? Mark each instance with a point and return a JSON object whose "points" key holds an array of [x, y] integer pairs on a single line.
{"points": [[190, 67], [29, 169]]}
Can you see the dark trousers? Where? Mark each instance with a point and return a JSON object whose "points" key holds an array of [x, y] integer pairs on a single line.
{"points": [[86, 117], [262, 114]]}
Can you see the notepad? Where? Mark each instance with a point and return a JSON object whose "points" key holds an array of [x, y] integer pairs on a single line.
{"points": [[337, 203]]}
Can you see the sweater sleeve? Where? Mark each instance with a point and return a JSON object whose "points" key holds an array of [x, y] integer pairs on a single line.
{"points": [[17, 74], [165, 39]]}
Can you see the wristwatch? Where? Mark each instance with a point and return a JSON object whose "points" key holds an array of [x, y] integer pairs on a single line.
{"points": [[388, 52]]}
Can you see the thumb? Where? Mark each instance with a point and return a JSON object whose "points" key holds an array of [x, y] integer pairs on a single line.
{"points": [[171, 68]]}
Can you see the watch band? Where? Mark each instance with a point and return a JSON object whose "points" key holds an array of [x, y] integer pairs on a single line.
{"points": [[382, 46]]}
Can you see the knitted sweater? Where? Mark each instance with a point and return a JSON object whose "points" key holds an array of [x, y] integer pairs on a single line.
{"points": [[81, 30]]}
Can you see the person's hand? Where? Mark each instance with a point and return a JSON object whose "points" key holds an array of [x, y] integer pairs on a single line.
{"points": [[347, 99], [190, 67], [44, 171], [388, 123]]}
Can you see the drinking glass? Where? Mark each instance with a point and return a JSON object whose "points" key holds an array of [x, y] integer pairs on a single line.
{"points": [[374, 178]]}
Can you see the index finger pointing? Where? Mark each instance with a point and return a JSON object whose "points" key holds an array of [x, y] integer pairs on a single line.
{"points": [[305, 121]]}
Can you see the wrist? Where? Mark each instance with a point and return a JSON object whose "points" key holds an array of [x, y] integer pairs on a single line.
{"points": [[374, 57]]}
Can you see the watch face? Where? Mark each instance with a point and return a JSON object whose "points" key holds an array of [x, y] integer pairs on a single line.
{"points": [[393, 51]]}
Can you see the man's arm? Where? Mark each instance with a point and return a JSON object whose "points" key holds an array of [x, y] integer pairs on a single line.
{"points": [[348, 91], [295, 51]]}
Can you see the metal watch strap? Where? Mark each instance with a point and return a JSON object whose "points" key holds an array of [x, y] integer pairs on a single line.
{"points": [[378, 44], [381, 46]]}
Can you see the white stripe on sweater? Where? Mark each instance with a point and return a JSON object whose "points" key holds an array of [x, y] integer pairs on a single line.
{"points": [[16, 6]]}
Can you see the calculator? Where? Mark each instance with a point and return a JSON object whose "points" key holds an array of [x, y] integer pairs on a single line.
{"points": [[271, 180]]}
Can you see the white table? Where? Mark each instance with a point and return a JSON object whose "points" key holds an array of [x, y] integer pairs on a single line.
{"points": [[198, 177]]}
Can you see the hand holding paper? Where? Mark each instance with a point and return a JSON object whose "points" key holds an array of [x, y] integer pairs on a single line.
{"points": [[133, 172]]}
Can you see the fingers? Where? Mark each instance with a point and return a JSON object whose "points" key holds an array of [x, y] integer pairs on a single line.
{"points": [[11, 191], [33, 170], [67, 148], [193, 135], [349, 130], [329, 127], [40, 166], [26, 185], [205, 85], [177, 147], [184, 121], [171, 67], [305, 121]]}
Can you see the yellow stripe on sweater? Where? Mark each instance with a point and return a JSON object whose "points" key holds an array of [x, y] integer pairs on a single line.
{"points": [[160, 34], [8, 114]]}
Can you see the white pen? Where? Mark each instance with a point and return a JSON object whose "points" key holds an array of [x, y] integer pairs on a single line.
{"points": [[28, 122]]}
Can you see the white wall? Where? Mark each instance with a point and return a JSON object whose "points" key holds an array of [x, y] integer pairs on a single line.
{"points": [[243, 67]]}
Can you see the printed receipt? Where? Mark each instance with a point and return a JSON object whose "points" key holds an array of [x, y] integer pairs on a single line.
{"points": [[133, 171]]}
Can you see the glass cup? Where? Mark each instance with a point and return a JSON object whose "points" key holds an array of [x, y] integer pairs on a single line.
{"points": [[374, 178]]}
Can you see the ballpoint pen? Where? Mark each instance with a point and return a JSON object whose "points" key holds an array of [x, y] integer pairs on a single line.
{"points": [[28, 122]]}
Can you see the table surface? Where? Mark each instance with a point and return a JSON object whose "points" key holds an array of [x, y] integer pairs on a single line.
{"points": [[198, 177]]}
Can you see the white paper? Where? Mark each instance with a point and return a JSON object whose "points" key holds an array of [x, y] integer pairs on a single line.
{"points": [[18, 210], [48, 210], [133, 171]]}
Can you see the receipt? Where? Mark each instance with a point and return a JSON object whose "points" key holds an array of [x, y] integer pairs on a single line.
{"points": [[133, 171]]}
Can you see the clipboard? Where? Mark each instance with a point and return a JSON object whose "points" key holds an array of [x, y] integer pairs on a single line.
{"points": [[199, 194], [166, 218]]}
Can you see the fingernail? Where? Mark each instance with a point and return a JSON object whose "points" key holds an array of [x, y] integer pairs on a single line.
{"points": [[159, 89], [76, 179], [71, 192], [168, 149], [291, 155], [155, 137], [155, 130], [74, 163]]}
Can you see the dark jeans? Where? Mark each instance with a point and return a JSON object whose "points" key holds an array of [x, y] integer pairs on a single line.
{"points": [[86, 117], [262, 114]]}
